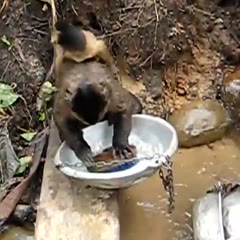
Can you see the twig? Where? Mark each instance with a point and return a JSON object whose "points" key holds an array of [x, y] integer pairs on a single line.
{"points": [[193, 8], [19, 50], [4, 7], [74, 10], [25, 104], [39, 19], [156, 11], [20, 64], [116, 33], [127, 8], [146, 60], [40, 32], [5, 70]]}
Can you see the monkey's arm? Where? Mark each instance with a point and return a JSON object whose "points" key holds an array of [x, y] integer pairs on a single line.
{"points": [[122, 124], [71, 132], [123, 105]]}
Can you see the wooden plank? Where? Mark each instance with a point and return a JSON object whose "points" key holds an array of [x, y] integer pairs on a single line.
{"points": [[68, 210]]}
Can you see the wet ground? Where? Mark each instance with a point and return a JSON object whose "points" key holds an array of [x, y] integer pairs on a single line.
{"points": [[18, 233], [143, 207]]}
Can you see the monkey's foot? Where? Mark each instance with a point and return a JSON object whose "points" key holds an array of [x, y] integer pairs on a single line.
{"points": [[122, 151]]}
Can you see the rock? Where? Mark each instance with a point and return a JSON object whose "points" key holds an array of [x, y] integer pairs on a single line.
{"points": [[23, 213], [17, 233], [231, 93], [199, 122]]}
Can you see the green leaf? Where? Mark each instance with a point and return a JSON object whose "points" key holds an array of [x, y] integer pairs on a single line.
{"points": [[28, 136], [47, 90], [45, 94], [6, 42], [24, 163], [5, 87], [42, 117], [7, 96]]}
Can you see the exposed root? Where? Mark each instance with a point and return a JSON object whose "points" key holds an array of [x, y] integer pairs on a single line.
{"points": [[4, 7]]}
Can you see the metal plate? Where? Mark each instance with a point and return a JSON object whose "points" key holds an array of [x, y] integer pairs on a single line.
{"points": [[216, 215], [207, 218], [231, 213], [151, 136]]}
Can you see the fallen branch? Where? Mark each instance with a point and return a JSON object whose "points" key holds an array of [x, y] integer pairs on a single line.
{"points": [[11, 200]]}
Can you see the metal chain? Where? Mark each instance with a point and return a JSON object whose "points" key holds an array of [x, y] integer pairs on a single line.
{"points": [[167, 181], [224, 188]]}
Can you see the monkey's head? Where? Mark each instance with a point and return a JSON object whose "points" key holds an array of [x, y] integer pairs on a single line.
{"points": [[69, 36], [89, 100]]}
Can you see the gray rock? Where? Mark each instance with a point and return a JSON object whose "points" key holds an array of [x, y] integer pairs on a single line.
{"points": [[200, 122], [231, 94]]}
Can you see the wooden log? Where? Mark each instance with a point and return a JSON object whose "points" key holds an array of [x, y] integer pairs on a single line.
{"points": [[69, 210]]}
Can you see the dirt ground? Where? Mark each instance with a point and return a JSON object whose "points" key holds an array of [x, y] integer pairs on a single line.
{"points": [[174, 49]]}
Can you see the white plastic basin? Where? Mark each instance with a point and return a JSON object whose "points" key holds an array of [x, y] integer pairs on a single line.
{"points": [[151, 136]]}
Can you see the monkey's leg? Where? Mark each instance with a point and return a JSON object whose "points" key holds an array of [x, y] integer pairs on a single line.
{"points": [[72, 133], [121, 129]]}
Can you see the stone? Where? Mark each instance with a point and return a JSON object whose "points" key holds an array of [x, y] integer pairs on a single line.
{"points": [[199, 122]]}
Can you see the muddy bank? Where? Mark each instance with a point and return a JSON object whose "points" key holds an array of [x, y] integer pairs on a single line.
{"points": [[174, 48], [24, 56]]}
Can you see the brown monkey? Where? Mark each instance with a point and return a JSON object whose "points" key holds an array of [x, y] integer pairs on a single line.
{"points": [[70, 41], [87, 94]]}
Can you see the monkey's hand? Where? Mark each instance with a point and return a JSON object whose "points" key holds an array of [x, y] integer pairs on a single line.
{"points": [[85, 155], [122, 151]]}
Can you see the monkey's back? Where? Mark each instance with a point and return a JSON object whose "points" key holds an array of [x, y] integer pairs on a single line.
{"points": [[94, 72], [91, 71]]}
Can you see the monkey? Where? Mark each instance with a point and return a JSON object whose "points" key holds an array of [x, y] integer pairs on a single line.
{"points": [[70, 41], [87, 94]]}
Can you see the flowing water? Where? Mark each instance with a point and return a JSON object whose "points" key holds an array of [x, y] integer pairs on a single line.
{"points": [[143, 208]]}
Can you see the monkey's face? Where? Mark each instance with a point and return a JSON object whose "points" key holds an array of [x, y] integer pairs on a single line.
{"points": [[90, 101]]}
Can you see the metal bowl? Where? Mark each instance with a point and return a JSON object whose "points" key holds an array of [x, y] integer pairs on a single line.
{"points": [[154, 138]]}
